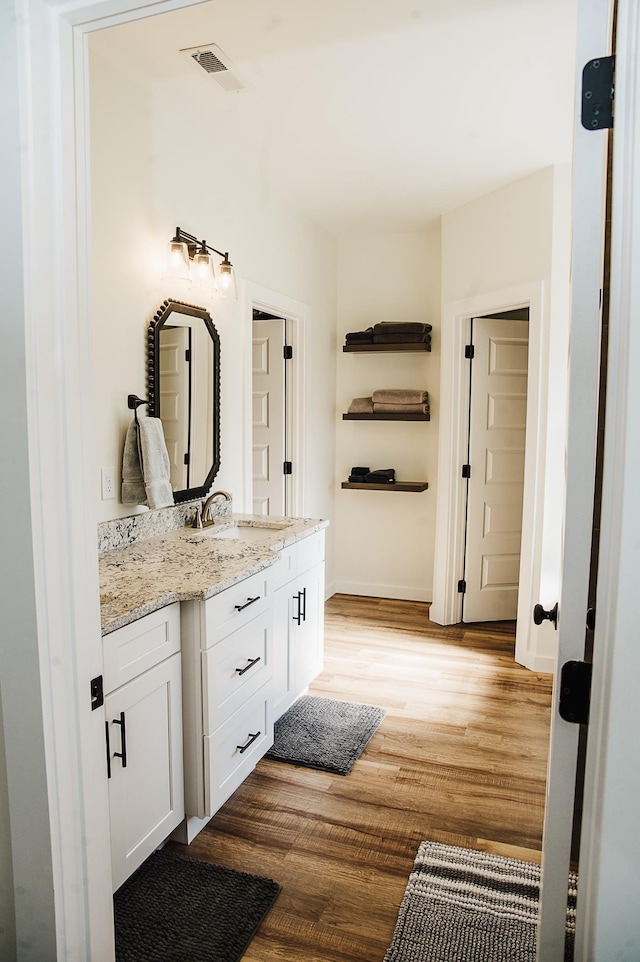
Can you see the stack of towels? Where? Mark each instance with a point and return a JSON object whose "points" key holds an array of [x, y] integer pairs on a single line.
{"points": [[392, 401], [380, 476], [392, 332]]}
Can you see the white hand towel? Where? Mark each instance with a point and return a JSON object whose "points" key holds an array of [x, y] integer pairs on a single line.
{"points": [[145, 465]]}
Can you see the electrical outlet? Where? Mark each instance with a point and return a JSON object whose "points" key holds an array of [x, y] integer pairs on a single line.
{"points": [[108, 483]]}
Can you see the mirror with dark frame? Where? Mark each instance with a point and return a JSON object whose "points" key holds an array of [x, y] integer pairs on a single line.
{"points": [[184, 392]]}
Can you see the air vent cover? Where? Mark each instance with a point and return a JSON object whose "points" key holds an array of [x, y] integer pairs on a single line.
{"points": [[216, 63]]}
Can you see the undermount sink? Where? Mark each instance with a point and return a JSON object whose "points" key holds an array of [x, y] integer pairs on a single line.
{"points": [[245, 532]]}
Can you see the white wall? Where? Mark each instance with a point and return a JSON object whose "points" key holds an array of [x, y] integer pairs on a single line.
{"points": [[517, 236], [156, 165], [384, 540]]}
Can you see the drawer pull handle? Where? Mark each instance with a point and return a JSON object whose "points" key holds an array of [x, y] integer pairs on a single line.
{"points": [[123, 732], [242, 748], [250, 663], [248, 602]]}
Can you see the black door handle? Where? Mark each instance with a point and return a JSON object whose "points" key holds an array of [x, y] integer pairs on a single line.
{"points": [[540, 614], [249, 601]]}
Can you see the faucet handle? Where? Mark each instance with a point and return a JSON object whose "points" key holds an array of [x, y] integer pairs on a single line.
{"points": [[197, 518]]}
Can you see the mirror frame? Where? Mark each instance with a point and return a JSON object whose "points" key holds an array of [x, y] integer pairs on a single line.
{"points": [[161, 317]]}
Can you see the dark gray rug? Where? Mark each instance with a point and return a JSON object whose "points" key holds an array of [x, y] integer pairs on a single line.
{"points": [[177, 909], [467, 906], [325, 734]]}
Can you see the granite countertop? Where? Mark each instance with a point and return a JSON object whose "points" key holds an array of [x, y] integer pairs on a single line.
{"points": [[188, 564]]}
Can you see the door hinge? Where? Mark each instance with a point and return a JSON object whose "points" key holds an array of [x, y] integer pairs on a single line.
{"points": [[187, 355], [186, 458], [462, 586], [466, 470], [287, 467], [287, 352], [575, 691], [598, 91], [97, 693], [469, 352]]}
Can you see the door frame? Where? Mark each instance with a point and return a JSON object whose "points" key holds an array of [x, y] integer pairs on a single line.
{"points": [[446, 608], [297, 317]]}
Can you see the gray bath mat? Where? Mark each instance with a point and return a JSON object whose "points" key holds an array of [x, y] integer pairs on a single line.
{"points": [[177, 909], [465, 905], [325, 734]]}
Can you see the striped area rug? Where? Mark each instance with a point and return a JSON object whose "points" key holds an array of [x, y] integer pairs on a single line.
{"points": [[466, 906]]}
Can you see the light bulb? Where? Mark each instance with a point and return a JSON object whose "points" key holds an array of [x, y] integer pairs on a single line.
{"points": [[225, 281]]}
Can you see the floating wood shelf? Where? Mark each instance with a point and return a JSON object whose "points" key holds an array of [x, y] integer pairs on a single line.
{"points": [[413, 486], [418, 347], [387, 416]]}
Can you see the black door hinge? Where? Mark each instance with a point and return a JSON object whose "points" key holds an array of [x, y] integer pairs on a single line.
{"points": [[287, 352], [186, 458], [598, 91], [287, 467], [187, 355], [97, 693], [575, 691], [462, 586], [466, 470], [469, 352]]}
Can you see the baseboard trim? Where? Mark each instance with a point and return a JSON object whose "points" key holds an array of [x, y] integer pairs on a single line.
{"points": [[397, 592]]}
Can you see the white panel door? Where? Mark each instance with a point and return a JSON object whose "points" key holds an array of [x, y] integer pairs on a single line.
{"points": [[174, 401], [496, 455], [268, 417]]}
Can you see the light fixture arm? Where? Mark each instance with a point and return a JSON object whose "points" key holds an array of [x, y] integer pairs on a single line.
{"points": [[193, 244]]}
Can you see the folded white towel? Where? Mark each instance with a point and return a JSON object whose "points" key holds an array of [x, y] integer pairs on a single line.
{"points": [[145, 465]]}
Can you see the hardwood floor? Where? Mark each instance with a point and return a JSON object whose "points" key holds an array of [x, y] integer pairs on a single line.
{"points": [[460, 758]]}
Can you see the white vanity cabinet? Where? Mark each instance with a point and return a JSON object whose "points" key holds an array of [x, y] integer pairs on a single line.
{"points": [[227, 655], [298, 606], [143, 711]]}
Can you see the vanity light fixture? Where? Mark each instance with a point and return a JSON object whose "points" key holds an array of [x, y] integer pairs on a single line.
{"points": [[191, 259]]}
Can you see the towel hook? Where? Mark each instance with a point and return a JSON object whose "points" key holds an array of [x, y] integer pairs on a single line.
{"points": [[133, 403]]}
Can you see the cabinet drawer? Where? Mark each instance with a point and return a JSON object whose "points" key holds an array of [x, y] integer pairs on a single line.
{"points": [[235, 606], [235, 668], [232, 751], [131, 650], [310, 551]]}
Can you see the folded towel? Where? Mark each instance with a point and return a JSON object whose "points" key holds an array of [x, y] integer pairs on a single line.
{"points": [[401, 409], [381, 476], [400, 396], [359, 336], [401, 327], [360, 470], [145, 465], [361, 405], [402, 338]]}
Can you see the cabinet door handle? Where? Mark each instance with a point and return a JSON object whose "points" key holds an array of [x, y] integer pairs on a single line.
{"points": [[250, 663], [106, 731], [242, 748], [298, 618], [304, 604], [248, 602], [123, 735]]}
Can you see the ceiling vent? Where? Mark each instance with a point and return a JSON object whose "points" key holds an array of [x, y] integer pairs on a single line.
{"points": [[216, 63]]}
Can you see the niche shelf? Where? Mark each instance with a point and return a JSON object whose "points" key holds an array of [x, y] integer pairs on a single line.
{"points": [[412, 486]]}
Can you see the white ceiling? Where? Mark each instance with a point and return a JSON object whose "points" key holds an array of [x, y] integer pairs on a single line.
{"points": [[375, 115]]}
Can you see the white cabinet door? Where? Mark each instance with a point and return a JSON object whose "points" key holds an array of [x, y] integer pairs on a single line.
{"points": [[298, 630], [144, 753]]}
